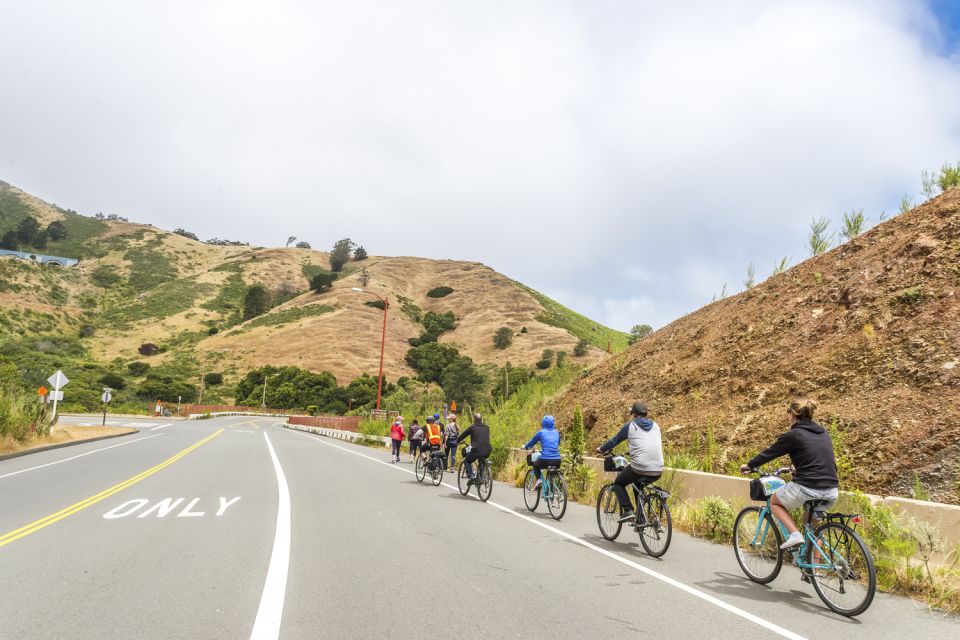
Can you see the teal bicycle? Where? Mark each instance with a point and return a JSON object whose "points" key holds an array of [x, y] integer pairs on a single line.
{"points": [[832, 557], [553, 489]]}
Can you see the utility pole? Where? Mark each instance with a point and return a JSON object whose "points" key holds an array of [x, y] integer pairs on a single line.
{"points": [[383, 338]]}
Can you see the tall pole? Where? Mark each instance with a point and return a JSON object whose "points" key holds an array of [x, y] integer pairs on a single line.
{"points": [[263, 400], [383, 344]]}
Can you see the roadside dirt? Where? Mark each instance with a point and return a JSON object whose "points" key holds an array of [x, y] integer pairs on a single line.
{"points": [[60, 436]]}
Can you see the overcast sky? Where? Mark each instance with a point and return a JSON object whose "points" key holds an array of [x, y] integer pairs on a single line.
{"points": [[626, 158]]}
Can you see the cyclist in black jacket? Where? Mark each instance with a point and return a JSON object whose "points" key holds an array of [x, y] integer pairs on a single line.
{"points": [[479, 434], [815, 469]]}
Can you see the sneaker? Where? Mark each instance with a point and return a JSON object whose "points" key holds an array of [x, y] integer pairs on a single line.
{"points": [[627, 517], [470, 482], [795, 539]]}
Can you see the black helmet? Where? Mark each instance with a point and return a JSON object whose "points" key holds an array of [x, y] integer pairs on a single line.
{"points": [[639, 409]]}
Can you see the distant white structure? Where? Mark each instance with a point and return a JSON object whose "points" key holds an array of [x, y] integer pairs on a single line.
{"points": [[53, 261]]}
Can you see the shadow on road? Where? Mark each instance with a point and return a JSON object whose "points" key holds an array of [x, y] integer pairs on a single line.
{"points": [[739, 586]]}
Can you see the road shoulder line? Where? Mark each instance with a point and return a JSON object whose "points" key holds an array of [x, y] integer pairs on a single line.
{"points": [[113, 446], [61, 445]]}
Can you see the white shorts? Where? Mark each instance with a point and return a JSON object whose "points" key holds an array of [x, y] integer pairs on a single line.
{"points": [[793, 495]]}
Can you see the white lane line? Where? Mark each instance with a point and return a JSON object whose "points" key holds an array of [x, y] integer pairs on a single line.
{"points": [[267, 624], [163, 426], [706, 597], [49, 464]]}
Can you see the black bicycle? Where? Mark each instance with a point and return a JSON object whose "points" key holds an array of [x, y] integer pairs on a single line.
{"points": [[482, 478], [652, 521], [431, 463]]}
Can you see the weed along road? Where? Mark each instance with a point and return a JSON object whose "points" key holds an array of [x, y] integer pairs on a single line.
{"points": [[238, 528]]}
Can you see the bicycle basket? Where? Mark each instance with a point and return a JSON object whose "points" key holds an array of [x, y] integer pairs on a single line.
{"points": [[614, 463], [761, 488]]}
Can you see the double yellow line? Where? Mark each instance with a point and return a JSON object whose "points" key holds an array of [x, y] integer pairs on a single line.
{"points": [[36, 525]]}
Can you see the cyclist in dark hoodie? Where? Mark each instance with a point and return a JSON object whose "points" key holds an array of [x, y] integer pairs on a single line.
{"points": [[479, 434], [815, 468], [646, 457]]}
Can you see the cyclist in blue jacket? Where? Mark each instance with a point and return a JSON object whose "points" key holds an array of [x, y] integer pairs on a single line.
{"points": [[549, 439]]}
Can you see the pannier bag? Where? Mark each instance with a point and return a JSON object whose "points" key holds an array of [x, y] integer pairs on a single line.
{"points": [[763, 487]]}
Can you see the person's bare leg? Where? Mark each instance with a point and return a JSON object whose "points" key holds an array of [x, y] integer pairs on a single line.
{"points": [[781, 514]]}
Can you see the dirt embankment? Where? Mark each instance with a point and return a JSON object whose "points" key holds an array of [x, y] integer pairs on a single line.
{"points": [[870, 329]]}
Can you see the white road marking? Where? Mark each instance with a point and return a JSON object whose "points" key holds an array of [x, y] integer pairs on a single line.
{"points": [[162, 508], [186, 513], [224, 504], [125, 509], [766, 624], [13, 473], [163, 426], [270, 612]]}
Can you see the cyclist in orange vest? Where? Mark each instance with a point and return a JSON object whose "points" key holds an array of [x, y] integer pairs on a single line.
{"points": [[434, 433]]}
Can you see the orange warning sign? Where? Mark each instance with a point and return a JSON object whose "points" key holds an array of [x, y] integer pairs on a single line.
{"points": [[42, 391]]}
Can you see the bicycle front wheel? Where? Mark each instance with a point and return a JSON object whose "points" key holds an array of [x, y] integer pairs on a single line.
{"points": [[757, 543], [655, 536], [484, 482], [557, 502], [608, 513], [438, 473], [843, 575], [531, 495], [462, 479], [421, 468]]}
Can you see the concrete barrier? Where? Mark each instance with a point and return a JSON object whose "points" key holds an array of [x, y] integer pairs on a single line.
{"points": [[339, 434]]}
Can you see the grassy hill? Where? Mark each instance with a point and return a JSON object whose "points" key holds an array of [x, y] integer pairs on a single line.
{"points": [[139, 284], [871, 329]]}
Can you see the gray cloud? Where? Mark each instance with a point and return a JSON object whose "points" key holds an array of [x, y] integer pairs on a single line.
{"points": [[627, 158]]}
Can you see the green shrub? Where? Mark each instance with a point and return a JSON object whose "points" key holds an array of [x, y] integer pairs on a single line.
{"points": [[138, 368], [113, 380], [340, 254], [713, 519], [543, 364], [256, 302], [213, 379], [321, 282], [581, 348], [106, 276], [503, 337], [376, 304], [439, 292]]}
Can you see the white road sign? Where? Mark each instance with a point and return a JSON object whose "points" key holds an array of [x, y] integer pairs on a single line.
{"points": [[56, 395], [58, 380], [106, 397]]}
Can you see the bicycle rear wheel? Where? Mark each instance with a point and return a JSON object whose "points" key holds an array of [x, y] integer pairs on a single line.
{"points": [[608, 513], [437, 472], [849, 581], [421, 468], [557, 502], [485, 481], [462, 479], [655, 536], [756, 544], [531, 496]]}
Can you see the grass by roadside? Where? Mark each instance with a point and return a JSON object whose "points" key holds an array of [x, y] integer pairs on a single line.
{"points": [[60, 436]]}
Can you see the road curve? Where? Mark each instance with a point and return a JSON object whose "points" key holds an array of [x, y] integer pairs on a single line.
{"points": [[238, 528]]}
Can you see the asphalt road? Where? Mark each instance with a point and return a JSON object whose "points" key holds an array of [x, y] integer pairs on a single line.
{"points": [[239, 528]]}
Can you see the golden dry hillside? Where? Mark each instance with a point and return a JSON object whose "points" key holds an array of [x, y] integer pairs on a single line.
{"points": [[139, 284]]}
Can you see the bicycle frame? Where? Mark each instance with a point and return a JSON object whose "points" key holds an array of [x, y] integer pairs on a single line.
{"points": [[763, 526]]}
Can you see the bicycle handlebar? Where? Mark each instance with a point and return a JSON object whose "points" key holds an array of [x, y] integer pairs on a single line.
{"points": [[778, 472]]}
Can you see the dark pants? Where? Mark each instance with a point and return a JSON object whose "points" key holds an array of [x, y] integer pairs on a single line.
{"points": [[625, 478], [396, 447], [450, 456], [469, 459], [542, 463], [414, 447]]}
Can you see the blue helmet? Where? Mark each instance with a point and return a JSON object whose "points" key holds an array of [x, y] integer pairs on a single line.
{"points": [[436, 416], [547, 422]]}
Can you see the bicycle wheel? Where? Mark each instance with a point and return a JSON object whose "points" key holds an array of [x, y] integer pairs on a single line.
{"points": [[462, 479], [845, 578], [421, 468], [757, 545], [438, 472], [531, 496], [557, 502], [655, 536], [608, 513], [485, 482]]}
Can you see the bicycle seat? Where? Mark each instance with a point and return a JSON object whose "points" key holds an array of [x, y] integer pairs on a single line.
{"points": [[816, 507]]}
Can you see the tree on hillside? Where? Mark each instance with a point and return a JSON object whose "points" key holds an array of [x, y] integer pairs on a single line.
{"points": [[113, 380], [364, 277], [9, 241], [429, 360], [321, 282], [186, 234], [290, 240], [138, 368], [853, 223], [461, 380], [359, 253], [27, 230], [503, 337], [819, 240], [256, 301], [340, 254], [639, 332], [56, 230], [213, 379], [581, 348], [303, 245]]}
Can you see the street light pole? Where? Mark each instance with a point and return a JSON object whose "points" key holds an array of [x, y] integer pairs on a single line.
{"points": [[263, 400], [383, 339]]}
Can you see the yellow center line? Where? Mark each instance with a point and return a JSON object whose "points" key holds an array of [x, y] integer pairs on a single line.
{"points": [[36, 525]]}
